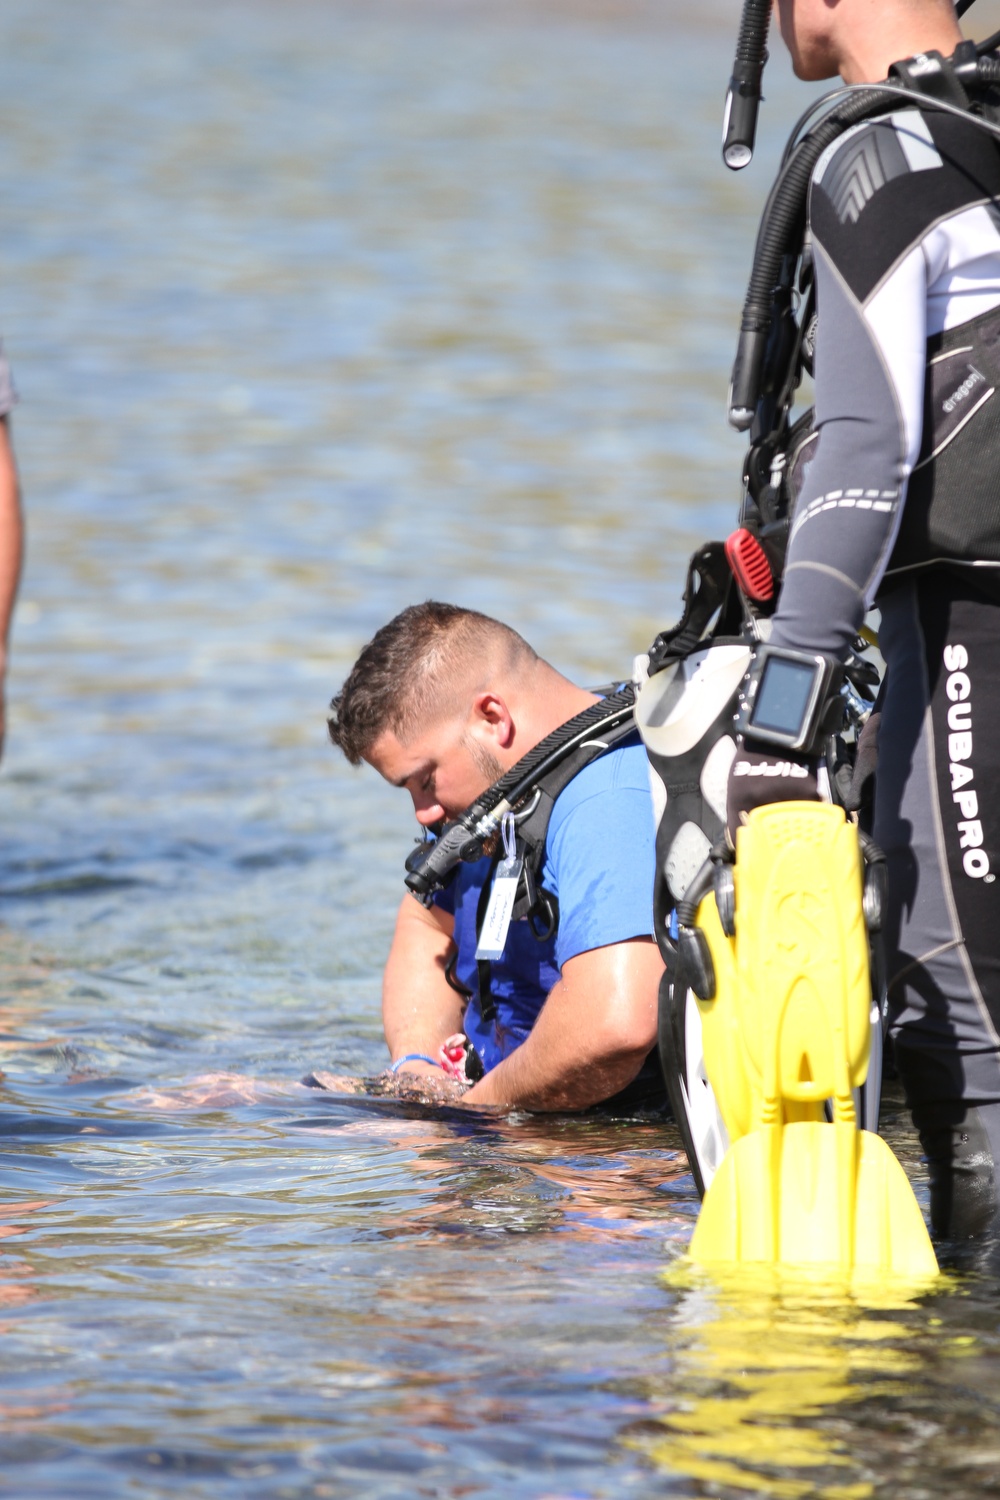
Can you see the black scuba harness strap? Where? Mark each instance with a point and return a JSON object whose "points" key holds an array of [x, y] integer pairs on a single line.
{"points": [[706, 594], [484, 973]]}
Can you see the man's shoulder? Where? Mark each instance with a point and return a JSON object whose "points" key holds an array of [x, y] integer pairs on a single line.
{"points": [[913, 148], [600, 853], [883, 184], [612, 780]]}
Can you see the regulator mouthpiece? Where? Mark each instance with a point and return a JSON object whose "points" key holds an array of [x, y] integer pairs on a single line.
{"points": [[432, 864], [739, 125]]}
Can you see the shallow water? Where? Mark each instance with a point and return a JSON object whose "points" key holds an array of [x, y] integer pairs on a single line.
{"points": [[315, 311]]}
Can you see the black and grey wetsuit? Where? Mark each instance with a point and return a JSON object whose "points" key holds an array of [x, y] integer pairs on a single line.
{"points": [[900, 505]]}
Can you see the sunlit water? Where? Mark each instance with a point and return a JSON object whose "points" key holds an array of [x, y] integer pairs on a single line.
{"points": [[316, 311]]}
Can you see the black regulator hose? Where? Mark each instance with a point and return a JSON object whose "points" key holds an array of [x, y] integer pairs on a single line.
{"points": [[739, 125], [781, 227], [989, 70], [431, 863], [780, 233]]}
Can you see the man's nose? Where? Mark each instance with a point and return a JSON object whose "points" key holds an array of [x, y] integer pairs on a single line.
{"points": [[429, 813]]}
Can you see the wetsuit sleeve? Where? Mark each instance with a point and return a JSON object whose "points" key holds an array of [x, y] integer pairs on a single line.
{"points": [[870, 362], [600, 864]]}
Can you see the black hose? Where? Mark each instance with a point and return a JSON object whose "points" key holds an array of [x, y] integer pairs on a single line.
{"points": [[897, 90], [687, 907], [780, 233], [739, 129], [430, 863], [782, 222], [608, 713], [783, 218]]}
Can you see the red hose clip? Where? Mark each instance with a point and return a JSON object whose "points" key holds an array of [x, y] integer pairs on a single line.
{"points": [[750, 566]]}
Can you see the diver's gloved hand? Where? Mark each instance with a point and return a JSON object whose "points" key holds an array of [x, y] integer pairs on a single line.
{"points": [[861, 790], [757, 777]]}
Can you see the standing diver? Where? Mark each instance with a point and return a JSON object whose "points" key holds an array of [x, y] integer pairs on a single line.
{"points": [[888, 245]]}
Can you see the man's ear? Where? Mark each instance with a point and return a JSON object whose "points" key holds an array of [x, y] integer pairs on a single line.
{"points": [[490, 720]]}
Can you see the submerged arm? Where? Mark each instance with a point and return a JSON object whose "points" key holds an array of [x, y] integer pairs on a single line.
{"points": [[592, 1035], [420, 1010]]}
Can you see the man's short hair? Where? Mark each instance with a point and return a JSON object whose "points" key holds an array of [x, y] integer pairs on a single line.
{"points": [[406, 673]]}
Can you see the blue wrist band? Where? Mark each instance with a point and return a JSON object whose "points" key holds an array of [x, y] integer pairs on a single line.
{"points": [[413, 1057]]}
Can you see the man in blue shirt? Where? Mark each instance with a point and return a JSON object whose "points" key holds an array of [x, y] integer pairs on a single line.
{"points": [[442, 702]]}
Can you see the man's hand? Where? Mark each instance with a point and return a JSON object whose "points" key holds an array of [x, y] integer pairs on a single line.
{"points": [[592, 1035], [757, 777], [431, 1087]]}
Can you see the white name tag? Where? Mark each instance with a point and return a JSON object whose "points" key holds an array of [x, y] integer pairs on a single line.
{"points": [[493, 934]]}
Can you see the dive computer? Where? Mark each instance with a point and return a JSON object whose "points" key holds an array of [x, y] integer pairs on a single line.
{"points": [[790, 699]]}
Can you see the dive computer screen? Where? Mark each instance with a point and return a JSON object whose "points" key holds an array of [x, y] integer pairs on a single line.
{"points": [[784, 696]]}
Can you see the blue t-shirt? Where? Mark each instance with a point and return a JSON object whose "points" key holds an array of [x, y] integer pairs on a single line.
{"points": [[599, 864]]}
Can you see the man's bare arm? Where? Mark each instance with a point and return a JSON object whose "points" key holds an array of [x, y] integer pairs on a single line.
{"points": [[11, 549], [592, 1035], [420, 1010]]}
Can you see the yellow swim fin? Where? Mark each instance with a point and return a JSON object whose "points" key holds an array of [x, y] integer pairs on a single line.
{"points": [[788, 1035]]}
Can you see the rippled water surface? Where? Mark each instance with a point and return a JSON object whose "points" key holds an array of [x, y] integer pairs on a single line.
{"points": [[315, 311]]}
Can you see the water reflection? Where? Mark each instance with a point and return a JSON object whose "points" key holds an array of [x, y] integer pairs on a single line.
{"points": [[772, 1365], [17, 1285], [585, 1182], [478, 1170]]}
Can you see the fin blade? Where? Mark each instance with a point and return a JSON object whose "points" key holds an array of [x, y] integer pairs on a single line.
{"points": [[885, 1232]]}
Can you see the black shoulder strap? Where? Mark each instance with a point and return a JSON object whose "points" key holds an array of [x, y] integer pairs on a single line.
{"points": [[536, 903], [487, 1004]]}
